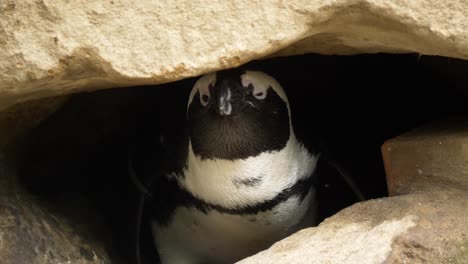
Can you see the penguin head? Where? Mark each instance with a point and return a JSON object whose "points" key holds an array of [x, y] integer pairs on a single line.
{"points": [[236, 114]]}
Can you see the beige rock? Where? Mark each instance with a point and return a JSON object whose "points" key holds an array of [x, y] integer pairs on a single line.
{"points": [[427, 223], [434, 156], [417, 228], [58, 47], [338, 244]]}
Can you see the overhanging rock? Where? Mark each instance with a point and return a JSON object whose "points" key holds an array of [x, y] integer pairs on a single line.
{"points": [[56, 47]]}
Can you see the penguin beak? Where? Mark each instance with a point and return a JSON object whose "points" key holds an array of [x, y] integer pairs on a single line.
{"points": [[224, 101]]}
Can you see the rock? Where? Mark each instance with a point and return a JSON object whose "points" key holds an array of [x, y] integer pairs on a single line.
{"points": [[426, 223], [16, 121], [51, 48], [415, 228], [30, 230], [433, 156], [55, 47], [29, 233]]}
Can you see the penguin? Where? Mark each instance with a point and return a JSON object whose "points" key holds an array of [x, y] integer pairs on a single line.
{"points": [[237, 179]]}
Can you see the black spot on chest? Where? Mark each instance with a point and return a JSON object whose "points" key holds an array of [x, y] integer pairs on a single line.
{"points": [[247, 182]]}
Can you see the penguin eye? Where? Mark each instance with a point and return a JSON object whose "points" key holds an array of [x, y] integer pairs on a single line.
{"points": [[204, 99], [205, 95], [259, 95]]}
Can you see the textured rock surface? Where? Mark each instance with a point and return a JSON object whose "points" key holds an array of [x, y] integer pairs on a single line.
{"points": [[436, 155], [55, 47], [427, 223], [29, 231], [18, 120], [429, 227], [31, 234], [59, 47]]}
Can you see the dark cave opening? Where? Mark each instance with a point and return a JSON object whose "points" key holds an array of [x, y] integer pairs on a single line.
{"points": [[76, 160]]}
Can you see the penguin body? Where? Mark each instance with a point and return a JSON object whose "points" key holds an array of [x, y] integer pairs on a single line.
{"points": [[245, 181]]}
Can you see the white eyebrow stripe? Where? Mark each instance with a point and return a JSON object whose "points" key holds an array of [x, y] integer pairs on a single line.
{"points": [[261, 82], [203, 83], [265, 81]]}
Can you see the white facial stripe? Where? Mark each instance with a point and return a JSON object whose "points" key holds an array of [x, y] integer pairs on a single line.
{"points": [[261, 82], [202, 85]]}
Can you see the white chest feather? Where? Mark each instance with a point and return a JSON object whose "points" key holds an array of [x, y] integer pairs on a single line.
{"points": [[245, 182], [195, 237]]}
